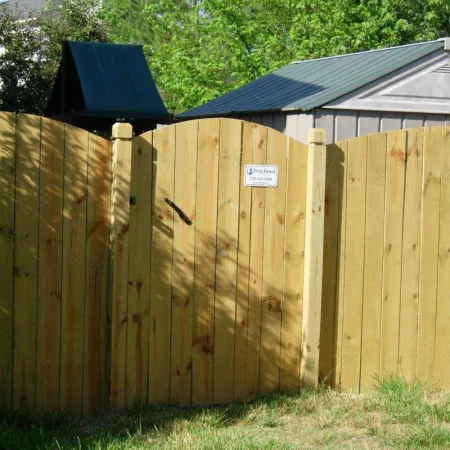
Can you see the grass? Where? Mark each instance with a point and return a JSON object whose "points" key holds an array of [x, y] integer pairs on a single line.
{"points": [[395, 415]]}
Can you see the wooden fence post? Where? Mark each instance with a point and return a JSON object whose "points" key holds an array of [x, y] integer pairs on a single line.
{"points": [[314, 240], [120, 213]]}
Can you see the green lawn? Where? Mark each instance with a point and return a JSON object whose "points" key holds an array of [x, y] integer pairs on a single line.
{"points": [[396, 415]]}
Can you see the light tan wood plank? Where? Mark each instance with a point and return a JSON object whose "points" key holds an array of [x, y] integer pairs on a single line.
{"points": [[333, 183], [139, 270], [50, 263], [161, 269], [314, 242], [97, 260], [442, 345], [7, 180], [120, 207], [294, 247], [256, 266], [392, 260], [183, 263], [339, 314], [431, 193], [411, 255], [243, 270], [26, 259], [226, 260], [74, 268], [354, 262], [205, 261], [373, 260], [273, 266]]}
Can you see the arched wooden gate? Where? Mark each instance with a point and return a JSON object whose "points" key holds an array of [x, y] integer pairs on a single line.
{"points": [[212, 307]]}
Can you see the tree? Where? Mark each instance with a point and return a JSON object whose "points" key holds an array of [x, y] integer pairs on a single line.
{"points": [[200, 49], [32, 50]]}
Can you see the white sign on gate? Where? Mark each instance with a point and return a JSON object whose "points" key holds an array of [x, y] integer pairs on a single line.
{"points": [[261, 176]]}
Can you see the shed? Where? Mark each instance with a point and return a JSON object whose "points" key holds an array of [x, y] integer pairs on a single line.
{"points": [[347, 95], [99, 83]]}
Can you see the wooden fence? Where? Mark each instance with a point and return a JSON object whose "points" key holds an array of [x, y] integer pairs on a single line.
{"points": [[209, 311], [386, 285], [144, 270], [54, 221]]}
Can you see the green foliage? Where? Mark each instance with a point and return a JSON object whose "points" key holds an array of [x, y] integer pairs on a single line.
{"points": [[200, 49], [32, 53]]}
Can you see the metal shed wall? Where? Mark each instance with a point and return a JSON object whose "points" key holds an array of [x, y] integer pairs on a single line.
{"points": [[344, 124]]}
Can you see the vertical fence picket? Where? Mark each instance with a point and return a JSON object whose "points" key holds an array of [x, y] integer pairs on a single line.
{"points": [[256, 266], [28, 147], [411, 255], [74, 268], [50, 263], [373, 260], [205, 258], [161, 265], [442, 343], [243, 269], [96, 339], [431, 193], [294, 247], [7, 181], [226, 259], [183, 263], [273, 266], [136, 371], [121, 173]]}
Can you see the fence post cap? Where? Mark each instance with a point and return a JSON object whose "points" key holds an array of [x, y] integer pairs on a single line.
{"points": [[317, 136], [121, 130]]}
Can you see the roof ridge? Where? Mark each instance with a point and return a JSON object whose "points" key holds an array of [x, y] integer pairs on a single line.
{"points": [[370, 51]]}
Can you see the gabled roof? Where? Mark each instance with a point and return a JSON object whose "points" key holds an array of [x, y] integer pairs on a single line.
{"points": [[305, 85], [105, 81]]}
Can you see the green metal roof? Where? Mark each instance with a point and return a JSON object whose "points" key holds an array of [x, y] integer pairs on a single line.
{"points": [[309, 84]]}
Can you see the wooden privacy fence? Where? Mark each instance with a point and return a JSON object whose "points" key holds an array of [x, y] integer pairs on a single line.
{"points": [[54, 221], [144, 270], [386, 280], [193, 308], [208, 309]]}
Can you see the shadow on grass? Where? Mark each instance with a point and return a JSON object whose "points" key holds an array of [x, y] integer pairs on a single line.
{"points": [[22, 430]]}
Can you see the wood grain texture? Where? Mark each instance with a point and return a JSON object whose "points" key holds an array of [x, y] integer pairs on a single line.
{"points": [[97, 259], [136, 372], [50, 263], [161, 265], [7, 182], [340, 275], [183, 263], [294, 247], [205, 261], [28, 148], [256, 266], [393, 228], [333, 183], [442, 343], [411, 255], [354, 263], [226, 259], [273, 266], [373, 260], [431, 194], [243, 269], [74, 267], [121, 173]]}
